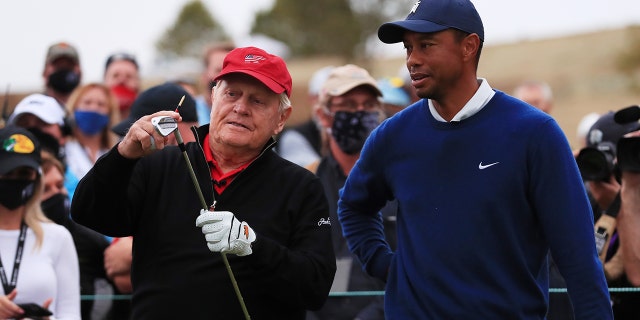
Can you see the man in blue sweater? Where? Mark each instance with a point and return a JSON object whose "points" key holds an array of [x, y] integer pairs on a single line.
{"points": [[486, 186]]}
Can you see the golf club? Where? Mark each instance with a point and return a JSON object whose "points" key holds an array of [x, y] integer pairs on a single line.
{"points": [[165, 125]]}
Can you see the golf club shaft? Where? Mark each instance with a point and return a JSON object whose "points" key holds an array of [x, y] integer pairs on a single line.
{"points": [[205, 207]]}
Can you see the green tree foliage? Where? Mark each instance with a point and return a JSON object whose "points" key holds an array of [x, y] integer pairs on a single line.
{"points": [[328, 27], [194, 28], [311, 27], [372, 13]]}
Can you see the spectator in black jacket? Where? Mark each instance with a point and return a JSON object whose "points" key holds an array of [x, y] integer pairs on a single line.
{"points": [[349, 107]]}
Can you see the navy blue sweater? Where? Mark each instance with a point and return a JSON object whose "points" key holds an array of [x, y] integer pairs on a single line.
{"points": [[481, 202]]}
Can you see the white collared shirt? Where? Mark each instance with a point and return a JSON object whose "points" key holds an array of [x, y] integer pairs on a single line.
{"points": [[475, 104]]}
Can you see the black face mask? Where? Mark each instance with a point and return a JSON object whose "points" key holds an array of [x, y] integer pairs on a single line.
{"points": [[351, 129], [63, 80], [56, 208], [16, 192]]}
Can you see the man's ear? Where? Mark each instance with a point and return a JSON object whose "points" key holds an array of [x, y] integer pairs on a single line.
{"points": [[470, 46], [284, 116], [323, 118]]}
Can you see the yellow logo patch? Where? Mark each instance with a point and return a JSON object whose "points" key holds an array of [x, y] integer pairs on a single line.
{"points": [[18, 143]]}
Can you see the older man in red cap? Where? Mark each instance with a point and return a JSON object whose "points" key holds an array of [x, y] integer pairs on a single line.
{"points": [[270, 215]]}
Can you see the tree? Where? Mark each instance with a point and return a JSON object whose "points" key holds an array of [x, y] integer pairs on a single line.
{"points": [[310, 27], [329, 27], [194, 28]]}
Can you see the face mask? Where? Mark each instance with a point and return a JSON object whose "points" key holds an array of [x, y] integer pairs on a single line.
{"points": [[90, 122], [56, 208], [64, 80], [16, 192], [124, 95], [351, 129]]}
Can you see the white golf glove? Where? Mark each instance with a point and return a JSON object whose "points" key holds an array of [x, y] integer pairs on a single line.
{"points": [[225, 233]]}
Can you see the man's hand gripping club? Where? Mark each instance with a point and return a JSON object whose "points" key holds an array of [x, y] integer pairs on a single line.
{"points": [[224, 233]]}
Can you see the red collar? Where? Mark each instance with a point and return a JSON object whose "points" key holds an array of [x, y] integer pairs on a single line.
{"points": [[220, 180]]}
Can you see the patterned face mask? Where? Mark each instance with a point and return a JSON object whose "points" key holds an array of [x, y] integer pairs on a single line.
{"points": [[351, 129]]}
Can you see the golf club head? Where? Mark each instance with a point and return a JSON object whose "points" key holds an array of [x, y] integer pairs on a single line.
{"points": [[164, 125]]}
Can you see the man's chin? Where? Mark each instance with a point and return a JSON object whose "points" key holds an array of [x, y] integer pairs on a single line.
{"points": [[236, 141]]}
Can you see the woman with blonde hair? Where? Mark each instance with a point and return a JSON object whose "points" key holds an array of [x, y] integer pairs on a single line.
{"points": [[38, 261], [93, 110]]}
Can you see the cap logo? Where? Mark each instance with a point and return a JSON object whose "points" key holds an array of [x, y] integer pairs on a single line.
{"points": [[252, 58], [36, 102], [595, 136], [18, 143], [415, 7]]}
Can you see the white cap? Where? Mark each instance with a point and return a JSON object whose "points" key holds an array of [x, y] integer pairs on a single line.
{"points": [[317, 80], [44, 107], [585, 125]]}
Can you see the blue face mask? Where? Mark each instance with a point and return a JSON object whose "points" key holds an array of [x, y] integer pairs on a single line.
{"points": [[90, 122], [351, 129]]}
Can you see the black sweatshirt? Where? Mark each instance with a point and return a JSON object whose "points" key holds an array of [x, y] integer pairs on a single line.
{"points": [[174, 274]]}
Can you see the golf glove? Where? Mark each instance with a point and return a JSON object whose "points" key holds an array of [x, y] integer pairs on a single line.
{"points": [[224, 233]]}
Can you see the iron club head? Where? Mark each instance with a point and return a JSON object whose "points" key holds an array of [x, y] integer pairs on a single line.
{"points": [[164, 125]]}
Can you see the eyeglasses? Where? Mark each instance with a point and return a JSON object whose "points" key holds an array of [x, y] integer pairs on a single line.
{"points": [[121, 56]]}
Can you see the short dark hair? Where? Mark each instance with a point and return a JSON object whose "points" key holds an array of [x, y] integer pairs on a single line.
{"points": [[226, 46], [121, 56]]}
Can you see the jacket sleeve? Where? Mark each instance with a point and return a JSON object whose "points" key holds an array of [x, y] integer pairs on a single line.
{"points": [[100, 200], [561, 202], [306, 265], [361, 199]]}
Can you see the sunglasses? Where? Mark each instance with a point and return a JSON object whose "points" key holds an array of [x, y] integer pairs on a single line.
{"points": [[121, 56]]}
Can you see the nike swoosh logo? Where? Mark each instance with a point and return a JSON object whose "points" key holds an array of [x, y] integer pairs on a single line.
{"points": [[481, 166]]}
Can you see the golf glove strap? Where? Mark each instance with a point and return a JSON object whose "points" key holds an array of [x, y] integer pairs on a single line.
{"points": [[224, 233]]}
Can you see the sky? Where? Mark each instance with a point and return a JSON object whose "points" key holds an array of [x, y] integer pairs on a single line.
{"points": [[98, 28]]}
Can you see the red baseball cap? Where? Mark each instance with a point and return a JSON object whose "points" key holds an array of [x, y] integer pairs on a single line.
{"points": [[268, 68]]}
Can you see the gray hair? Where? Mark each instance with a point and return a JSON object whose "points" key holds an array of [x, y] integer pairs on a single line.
{"points": [[544, 87], [285, 102]]}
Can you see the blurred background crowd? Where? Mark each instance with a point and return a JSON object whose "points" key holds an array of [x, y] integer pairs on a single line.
{"points": [[580, 80]]}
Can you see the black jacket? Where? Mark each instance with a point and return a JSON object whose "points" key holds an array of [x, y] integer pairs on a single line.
{"points": [[174, 275], [358, 307]]}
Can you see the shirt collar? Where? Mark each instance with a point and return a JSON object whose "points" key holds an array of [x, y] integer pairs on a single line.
{"points": [[473, 106], [220, 180]]}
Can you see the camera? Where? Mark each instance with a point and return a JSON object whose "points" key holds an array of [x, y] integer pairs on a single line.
{"points": [[629, 154], [628, 148], [602, 156], [597, 163], [34, 311]]}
